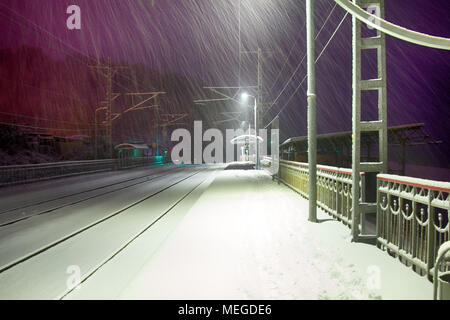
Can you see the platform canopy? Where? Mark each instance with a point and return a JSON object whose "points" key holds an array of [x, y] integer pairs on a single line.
{"points": [[243, 139], [413, 133], [131, 146]]}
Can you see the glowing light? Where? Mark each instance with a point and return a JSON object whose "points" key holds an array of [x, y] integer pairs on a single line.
{"points": [[244, 96]]}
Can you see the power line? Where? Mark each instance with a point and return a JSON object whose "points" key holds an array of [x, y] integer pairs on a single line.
{"points": [[304, 78], [51, 91], [53, 38], [45, 119], [295, 43], [39, 128], [287, 58], [299, 65]]}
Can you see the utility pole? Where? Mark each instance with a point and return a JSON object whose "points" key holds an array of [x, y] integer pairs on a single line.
{"points": [[96, 131], [258, 106], [147, 97], [157, 124], [95, 137], [109, 72], [240, 48], [312, 117], [109, 75], [259, 94]]}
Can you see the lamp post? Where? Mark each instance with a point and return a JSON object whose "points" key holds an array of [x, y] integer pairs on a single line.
{"points": [[244, 97]]}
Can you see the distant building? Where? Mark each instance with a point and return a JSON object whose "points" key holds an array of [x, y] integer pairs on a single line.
{"points": [[77, 144], [127, 152], [335, 149]]}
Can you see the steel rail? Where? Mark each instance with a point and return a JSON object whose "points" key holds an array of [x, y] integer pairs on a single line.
{"points": [[75, 193], [54, 243], [134, 238], [146, 178]]}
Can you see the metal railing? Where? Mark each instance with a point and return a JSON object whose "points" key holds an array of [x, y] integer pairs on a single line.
{"points": [[334, 187], [413, 219], [134, 162], [35, 172], [412, 214]]}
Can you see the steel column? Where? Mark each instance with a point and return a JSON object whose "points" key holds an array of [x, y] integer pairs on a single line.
{"points": [[312, 125]]}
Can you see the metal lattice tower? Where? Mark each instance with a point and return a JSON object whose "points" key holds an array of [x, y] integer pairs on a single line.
{"points": [[359, 205]]}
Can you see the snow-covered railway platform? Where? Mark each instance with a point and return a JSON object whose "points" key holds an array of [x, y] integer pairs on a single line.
{"points": [[246, 237]]}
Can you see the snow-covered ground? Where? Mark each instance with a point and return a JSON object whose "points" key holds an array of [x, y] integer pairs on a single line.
{"points": [[98, 229], [248, 238]]}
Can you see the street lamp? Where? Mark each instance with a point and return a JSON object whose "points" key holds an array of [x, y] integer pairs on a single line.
{"points": [[244, 98]]}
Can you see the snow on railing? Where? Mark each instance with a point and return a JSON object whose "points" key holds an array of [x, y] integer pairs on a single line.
{"points": [[412, 214], [43, 171], [413, 218], [334, 187]]}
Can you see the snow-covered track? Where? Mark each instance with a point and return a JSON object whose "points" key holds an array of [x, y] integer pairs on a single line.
{"points": [[71, 194], [124, 209], [43, 273], [134, 238], [12, 216]]}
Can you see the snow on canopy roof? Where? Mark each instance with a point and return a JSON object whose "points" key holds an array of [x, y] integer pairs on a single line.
{"points": [[131, 146], [243, 139], [348, 134]]}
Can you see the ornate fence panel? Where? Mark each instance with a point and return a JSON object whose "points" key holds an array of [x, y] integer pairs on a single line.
{"points": [[413, 218], [334, 187], [412, 214]]}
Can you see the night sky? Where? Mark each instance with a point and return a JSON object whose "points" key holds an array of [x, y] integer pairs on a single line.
{"points": [[199, 41]]}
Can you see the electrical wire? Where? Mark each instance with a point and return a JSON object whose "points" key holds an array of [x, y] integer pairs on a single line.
{"points": [[306, 76]]}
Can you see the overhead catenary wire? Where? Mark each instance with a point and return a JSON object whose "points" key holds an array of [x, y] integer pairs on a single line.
{"points": [[299, 64], [45, 119], [287, 58], [305, 77], [48, 90], [53, 37], [295, 43], [40, 128], [394, 30]]}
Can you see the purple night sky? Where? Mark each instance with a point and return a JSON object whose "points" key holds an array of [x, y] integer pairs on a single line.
{"points": [[199, 40]]}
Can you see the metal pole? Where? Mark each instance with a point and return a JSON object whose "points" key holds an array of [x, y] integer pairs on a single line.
{"points": [[256, 139], [248, 140], [247, 151], [258, 102], [109, 101], [157, 124], [95, 136], [403, 158], [312, 125], [239, 31]]}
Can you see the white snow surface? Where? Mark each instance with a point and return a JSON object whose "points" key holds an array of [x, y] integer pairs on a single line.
{"points": [[445, 249], [249, 238]]}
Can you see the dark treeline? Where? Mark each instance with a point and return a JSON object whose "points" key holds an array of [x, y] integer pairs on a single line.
{"points": [[60, 96]]}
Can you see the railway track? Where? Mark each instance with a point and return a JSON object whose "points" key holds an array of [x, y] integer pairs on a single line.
{"points": [[28, 211], [95, 243]]}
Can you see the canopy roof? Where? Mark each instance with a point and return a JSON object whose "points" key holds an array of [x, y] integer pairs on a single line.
{"points": [[131, 146], [394, 134], [242, 139]]}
